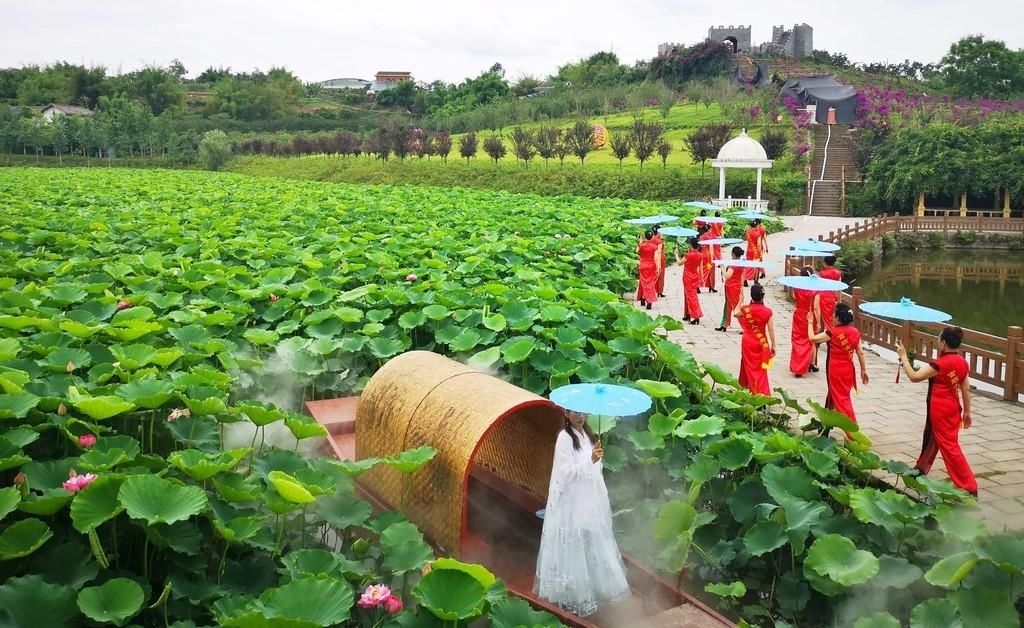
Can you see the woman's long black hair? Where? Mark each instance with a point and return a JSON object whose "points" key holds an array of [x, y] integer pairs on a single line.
{"points": [[576, 439]]}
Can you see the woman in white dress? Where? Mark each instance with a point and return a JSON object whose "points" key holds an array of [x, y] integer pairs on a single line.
{"points": [[579, 563]]}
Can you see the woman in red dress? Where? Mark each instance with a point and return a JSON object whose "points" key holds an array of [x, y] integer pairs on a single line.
{"points": [[753, 236], [802, 355], [647, 249], [828, 299], [692, 264], [758, 346], [948, 384], [718, 230], [733, 282], [709, 261], [763, 242], [843, 343], [660, 287]]}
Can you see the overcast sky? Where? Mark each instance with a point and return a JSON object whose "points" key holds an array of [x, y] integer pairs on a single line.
{"points": [[453, 39]]}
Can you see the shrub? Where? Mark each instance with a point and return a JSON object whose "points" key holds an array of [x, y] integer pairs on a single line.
{"points": [[442, 145], [857, 258], [467, 145], [495, 148], [214, 150], [621, 146], [774, 142], [644, 136], [546, 140], [523, 145], [580, 139], [964, 238], [936, 240]]}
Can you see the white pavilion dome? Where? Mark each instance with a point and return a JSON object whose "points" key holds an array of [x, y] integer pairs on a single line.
{"points": [[742, 148]]}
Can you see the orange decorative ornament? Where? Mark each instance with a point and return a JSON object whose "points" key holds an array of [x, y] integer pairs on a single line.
{"points": [[600, 136]]}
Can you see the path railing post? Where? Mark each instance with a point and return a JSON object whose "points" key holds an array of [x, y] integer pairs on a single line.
{"points": [[858, 296], [905, 334], [1014, 335]]}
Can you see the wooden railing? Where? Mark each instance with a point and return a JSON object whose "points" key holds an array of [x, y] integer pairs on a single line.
{"points": [[994, 360]]}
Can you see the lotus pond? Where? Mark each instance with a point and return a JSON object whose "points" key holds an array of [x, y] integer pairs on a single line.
{"points": [[146, 316]]}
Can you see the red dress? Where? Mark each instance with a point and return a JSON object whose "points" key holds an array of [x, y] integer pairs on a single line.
{"points": [[839, 369], [753, 252], [647, 290], [693, 262], [733, 293], [945, 416], [717, 230], [755, 354], [661, 273], [761, 245], [803, 351], [828, 299], [709, 262]]}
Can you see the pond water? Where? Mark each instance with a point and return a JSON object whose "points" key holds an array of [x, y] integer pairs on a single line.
{"points": [[982, 289]]}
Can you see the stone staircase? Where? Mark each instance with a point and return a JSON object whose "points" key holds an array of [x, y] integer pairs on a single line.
{"points": [[834, 154]]}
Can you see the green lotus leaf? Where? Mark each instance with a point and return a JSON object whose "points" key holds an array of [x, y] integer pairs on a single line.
{"points": [[824, 464], [483, 360], [260, 413], [1005, 551], [114, 602], [628, 347], [480, 573], [702, 468], [451, 595], [720, 375], [958, 524], [160, 500], [734, 453], [555, 313], [765, 536], [515, 350], [896, 573], [80, 330], [662, 424], [238, 529], [436, 312], [17, 405], [12, 380], [659, 390], [701, 427], [837, 558], [495, 322], [133, 329], [646, 441], [675, 518], [9, 349], [935, 613], [70, 564], [792, 481], [888, 509], [411, 460], [354, 468], [133, 357], [31, 601], [322, 601], [48, 473], [733, 589], [97, 503], [986, 606], [167, 357], [412, 319], [518, 315], [515, 613], [22, 538], [833, 419], [342, 511], [47, 503], [209, 406], [147, 392], [9, 498], [22, 322], [383, 348], [98, 408], [877, 620], [466, 340], [317, 562], [201, 466], [20, 436], [289, 488], [258, 336], [234, 487]]}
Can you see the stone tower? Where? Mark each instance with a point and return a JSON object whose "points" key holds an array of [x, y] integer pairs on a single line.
{"points": [[740, 34], [803, 40]]}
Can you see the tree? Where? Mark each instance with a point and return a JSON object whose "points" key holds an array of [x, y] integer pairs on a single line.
{"points": [[621, 145], [177, 70], [980, 68], [705, 142], [599, 69], [214, 149], [524, 144], [664, 148], [644, 136], [834, 59], [562, 149], [443, 145], [468, 145], [580, 139], [494, 147], [546, 141], [526, 85], [401, 95], [157, 88], [60, 136], [774, 142]]}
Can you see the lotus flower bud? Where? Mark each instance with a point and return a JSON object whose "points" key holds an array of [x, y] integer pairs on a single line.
{"points": [[411, 277], [62, 409], [124, 305], [71, 367]]}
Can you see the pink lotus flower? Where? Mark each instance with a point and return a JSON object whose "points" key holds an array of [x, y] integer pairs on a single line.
{"points": [[86, 440], [411, 277], [393, 605], [124, 305], [70, 367], [273, 297], [62, 409], [374, 595], [178, 413], [76, 482]]}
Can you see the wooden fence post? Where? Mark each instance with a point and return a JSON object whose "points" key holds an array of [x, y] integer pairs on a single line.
{"points": [[945, 223], [914, 227], [906, 337], [1014, 335], [981, 226], [858, 296]]}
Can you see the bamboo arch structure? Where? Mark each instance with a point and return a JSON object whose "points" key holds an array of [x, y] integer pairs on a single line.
{"points": [[422, 398]]}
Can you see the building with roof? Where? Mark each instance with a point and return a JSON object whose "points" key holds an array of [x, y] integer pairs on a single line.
{"points": [[741, 151], [386, 80], [345, 83], [53, 109]]}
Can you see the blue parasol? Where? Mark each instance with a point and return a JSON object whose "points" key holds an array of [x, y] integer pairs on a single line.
{"points": [[702, 205], [815, 245], [720, 241], [678, 232], [813, 283], [743, 263], [601, 399], [905, 310], [749, 215], [652, 220], [799, 253], [710, 220]]}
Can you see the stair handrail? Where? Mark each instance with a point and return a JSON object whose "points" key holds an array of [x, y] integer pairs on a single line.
{"points": [[824, 159]]}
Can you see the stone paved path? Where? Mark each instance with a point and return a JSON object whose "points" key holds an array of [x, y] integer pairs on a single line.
{"points": [[891, 414]]}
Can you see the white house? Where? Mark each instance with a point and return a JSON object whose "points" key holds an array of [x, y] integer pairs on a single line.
{"points": [[54, 109], [741, 151], [345, 83]]}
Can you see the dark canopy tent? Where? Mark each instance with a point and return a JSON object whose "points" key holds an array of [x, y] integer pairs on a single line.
{"points": [[823, 92]]}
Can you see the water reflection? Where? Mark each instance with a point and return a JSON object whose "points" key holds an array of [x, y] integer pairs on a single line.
{"points": [[983, 290]]}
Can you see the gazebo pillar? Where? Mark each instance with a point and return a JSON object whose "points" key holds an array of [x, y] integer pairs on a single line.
{"points": [[759, 183], [919, 210], [963, 204], [721, 182], [1006, 203]]}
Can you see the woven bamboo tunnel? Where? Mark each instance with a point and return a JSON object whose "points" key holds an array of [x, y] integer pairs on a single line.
{"points": [[422, 398]]}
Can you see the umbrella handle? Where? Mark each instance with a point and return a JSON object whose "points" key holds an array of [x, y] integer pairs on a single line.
{"points": [[899, 368]]}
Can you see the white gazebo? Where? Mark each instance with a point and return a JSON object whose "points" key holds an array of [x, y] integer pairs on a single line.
{"points": [[741, 151]]}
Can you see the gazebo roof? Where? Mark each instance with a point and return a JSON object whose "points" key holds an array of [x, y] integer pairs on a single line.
{"points": [[742, 151]]}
